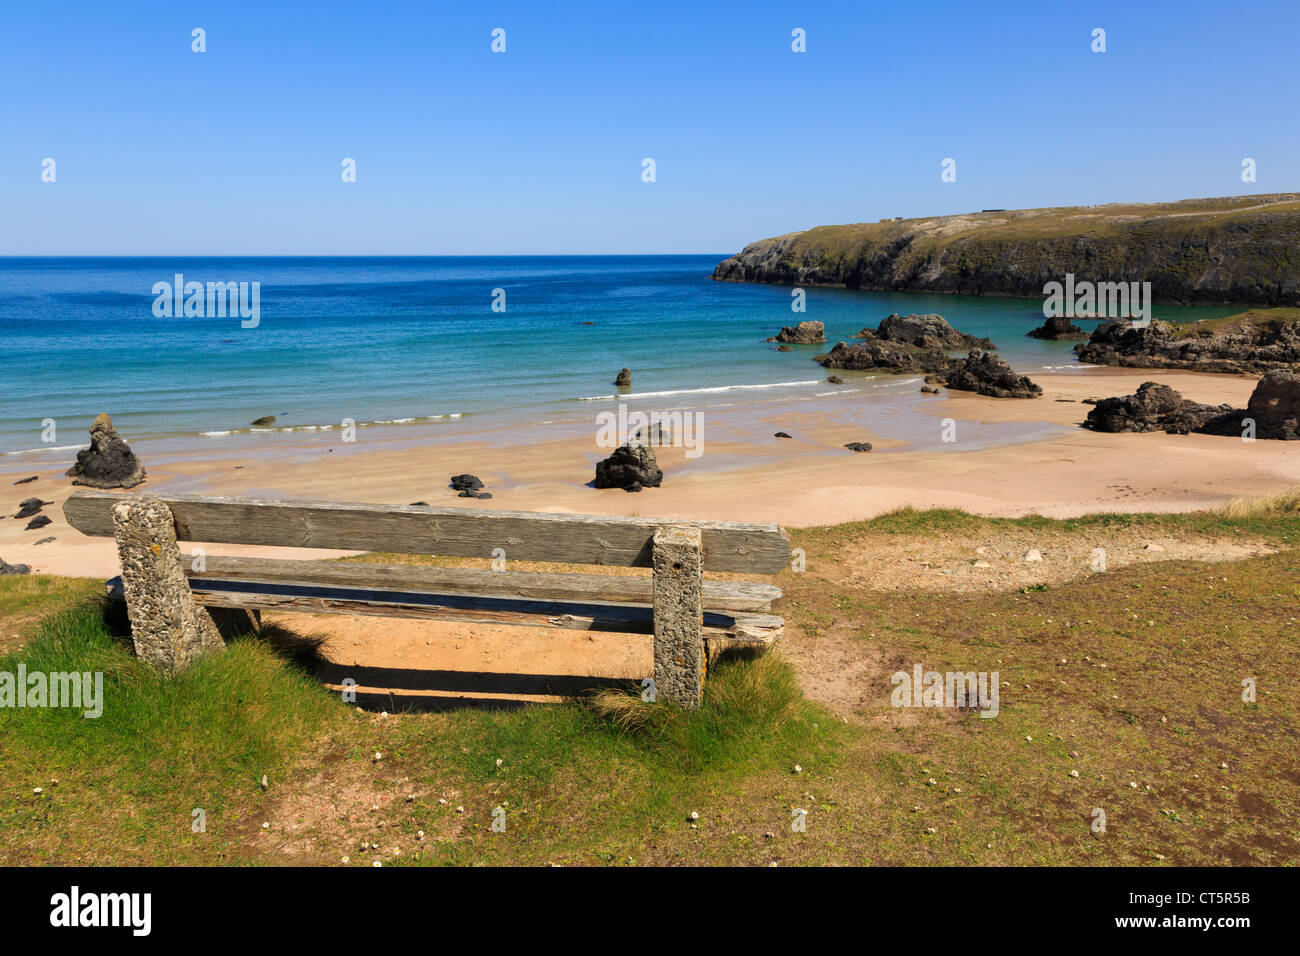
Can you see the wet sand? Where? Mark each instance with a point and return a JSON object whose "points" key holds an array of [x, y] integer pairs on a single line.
{"points": [[1010, 457]]}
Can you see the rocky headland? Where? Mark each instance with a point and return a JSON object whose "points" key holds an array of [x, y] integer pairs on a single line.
{"points": [[1241, 249]]}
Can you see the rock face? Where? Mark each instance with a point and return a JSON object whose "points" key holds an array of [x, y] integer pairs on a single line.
{"points": [[805, 333], [631, 467], [1152, 408], [108, 462], [1275, 406], [929, 331], [985, 373], [624, 378], [1058, 328], [1253, 342], [1238, 249]]}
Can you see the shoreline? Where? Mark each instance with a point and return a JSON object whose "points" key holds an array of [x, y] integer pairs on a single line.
{"points": [[1012, 457]]}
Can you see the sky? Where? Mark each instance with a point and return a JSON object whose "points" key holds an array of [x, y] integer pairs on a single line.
{"points": [[159, 150]]}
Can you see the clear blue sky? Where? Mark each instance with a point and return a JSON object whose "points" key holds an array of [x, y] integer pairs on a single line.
{"points": [[160, 150]]}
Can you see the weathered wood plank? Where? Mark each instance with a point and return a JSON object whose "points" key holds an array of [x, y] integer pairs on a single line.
{"points": [[543, 586], [630, 618], [457, 532]]}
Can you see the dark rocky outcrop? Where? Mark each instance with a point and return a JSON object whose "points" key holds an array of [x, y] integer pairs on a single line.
{"points": [[805, 333], [630, 467], [929, 331], [624, 378], [1235, 249], [858, 446], [1274, 406], [108, 462], [986, 374], [834, 380], [466, 482], [1058, 328], [26, 481], [890, 357], [469, 486], [40, 521], [418, 504], [264, 421], [929, 390], [1152, 408], [6, 568], [30, 506], [782, 348], [1252, 342], [903, 343], [783, 435]]}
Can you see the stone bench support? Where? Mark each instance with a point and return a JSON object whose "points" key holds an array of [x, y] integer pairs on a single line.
{"points": [[169, 629], [679, 616]]}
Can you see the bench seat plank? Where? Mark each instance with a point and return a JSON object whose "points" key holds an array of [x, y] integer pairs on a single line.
{"points": [[456, 532], [748, 596], [468, 609]]}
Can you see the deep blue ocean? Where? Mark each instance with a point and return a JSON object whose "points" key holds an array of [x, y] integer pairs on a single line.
{"points": [[391, 339]]}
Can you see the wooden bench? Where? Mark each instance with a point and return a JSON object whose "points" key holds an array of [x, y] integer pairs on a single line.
{"points": [[180, 607]]}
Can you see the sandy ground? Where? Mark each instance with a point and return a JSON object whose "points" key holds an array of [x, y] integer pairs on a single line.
{"points": [[1052, 467]]}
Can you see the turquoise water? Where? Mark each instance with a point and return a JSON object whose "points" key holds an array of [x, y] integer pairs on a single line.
{"points": [[391, 339]]}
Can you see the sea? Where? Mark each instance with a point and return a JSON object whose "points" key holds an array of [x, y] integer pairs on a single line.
{"points": [[510, 340]]}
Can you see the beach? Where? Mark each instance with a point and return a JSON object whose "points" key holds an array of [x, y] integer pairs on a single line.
{"points": [[1011, 457]]}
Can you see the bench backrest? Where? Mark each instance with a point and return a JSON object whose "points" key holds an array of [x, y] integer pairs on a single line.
{"points": [[455, 532]]}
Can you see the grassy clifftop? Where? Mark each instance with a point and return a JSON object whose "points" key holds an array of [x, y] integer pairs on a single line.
{"points": [[1243, 249]]}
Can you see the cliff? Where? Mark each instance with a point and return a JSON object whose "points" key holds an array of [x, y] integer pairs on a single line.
{"points": [[1244, 249]]}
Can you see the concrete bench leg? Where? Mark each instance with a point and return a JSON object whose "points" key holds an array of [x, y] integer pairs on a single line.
{"points": [[678, 616], [168, 628]]}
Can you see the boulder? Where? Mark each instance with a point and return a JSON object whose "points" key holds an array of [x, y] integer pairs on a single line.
{"points": [[624, 378], [466, 482], [31, 506], [805, 333], [782, 348], [986, 374], [1152, 408], [929, 390], [1275, 406], [108, 462], [474, 494], [13, 568], [40, 521], [783, 435], [631, 467], [1058, 328], [263, 421], [858, 446], [834, 380]]}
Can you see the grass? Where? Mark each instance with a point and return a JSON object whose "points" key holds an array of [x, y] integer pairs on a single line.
{"points": [[1132, 679]]}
